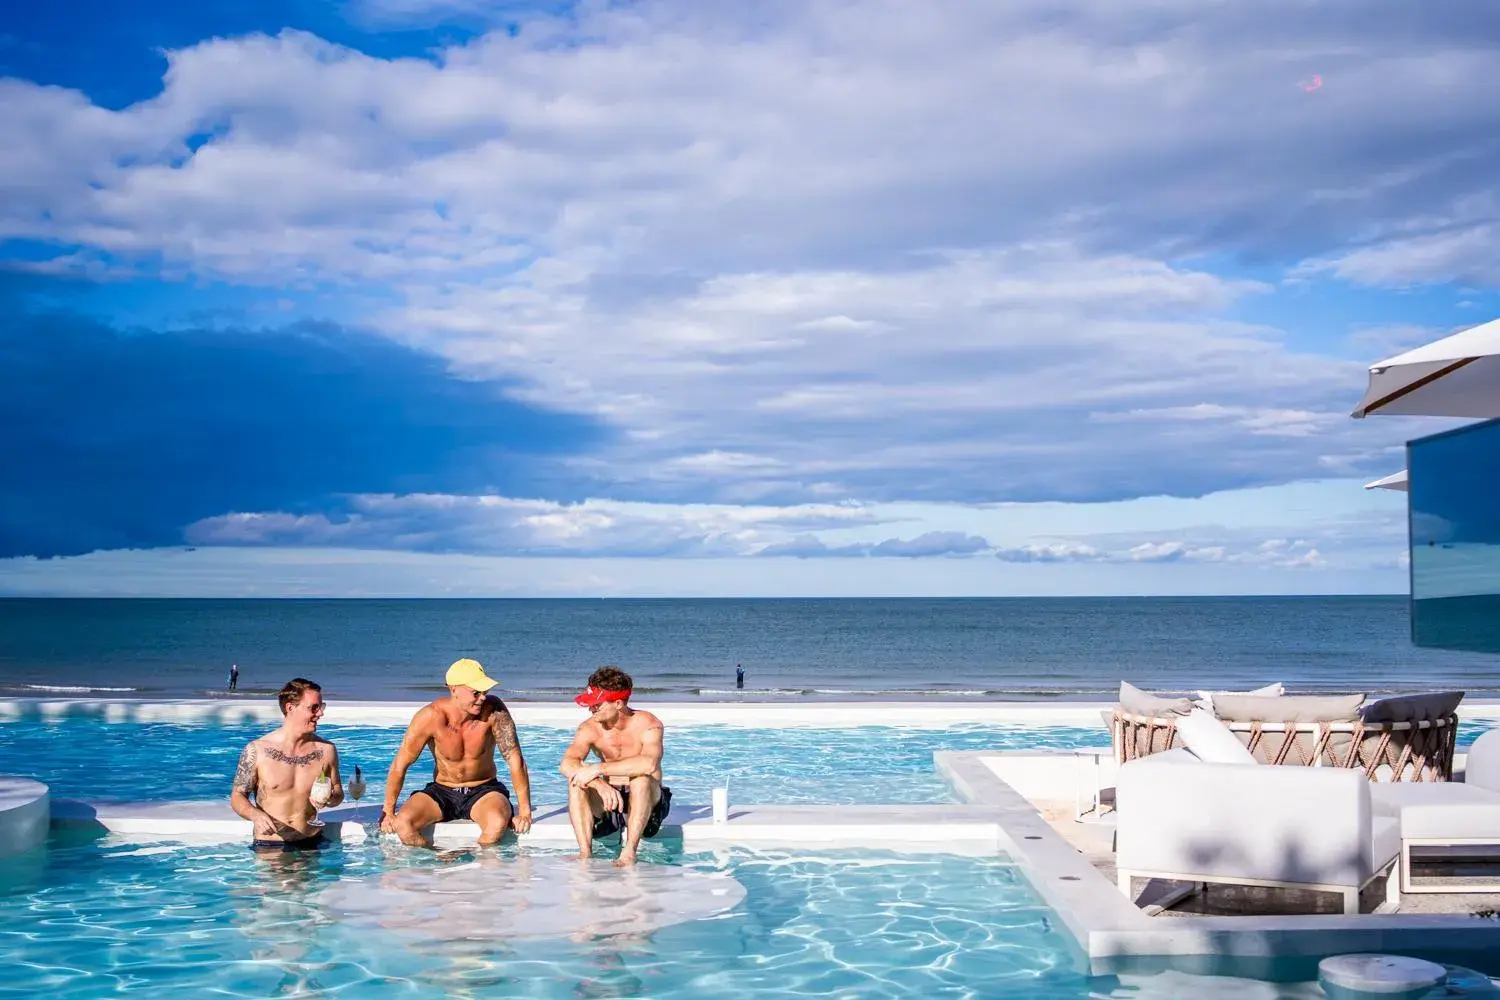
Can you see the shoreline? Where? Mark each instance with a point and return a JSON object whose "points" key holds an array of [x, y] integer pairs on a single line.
{"points": [[759, 714]]}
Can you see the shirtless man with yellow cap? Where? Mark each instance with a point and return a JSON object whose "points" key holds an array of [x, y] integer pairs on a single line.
{"points": [[463, 731]]}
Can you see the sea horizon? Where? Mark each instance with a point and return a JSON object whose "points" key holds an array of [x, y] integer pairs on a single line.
{"points": [[1062, 649]]}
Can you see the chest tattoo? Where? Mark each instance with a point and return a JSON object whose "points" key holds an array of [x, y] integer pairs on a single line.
{"points": [[296, 760]]}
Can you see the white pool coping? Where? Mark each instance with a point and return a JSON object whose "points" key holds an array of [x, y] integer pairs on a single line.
{"points": [[25, 812], [758, 715], [1117, 936], [954, 828]]}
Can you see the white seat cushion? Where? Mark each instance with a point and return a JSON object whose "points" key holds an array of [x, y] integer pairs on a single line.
{"points": [[1455, 821], [1391, 797]]}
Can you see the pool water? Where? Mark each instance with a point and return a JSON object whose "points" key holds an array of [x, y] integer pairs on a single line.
{"points": [[120, 762], [87, 918]]}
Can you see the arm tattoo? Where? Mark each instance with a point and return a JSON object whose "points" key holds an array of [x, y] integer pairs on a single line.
{"points": [[504, 728], [244, 773]]}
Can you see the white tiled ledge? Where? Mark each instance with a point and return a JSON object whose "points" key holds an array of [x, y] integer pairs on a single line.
{"points": [[955, 828], [25, 808]]}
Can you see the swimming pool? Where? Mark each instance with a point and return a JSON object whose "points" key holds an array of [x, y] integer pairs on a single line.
{"points": [[89, 918], [129, 761]]}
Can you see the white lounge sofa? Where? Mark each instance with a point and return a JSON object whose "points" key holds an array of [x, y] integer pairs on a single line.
{"points": [[1182, 819]]}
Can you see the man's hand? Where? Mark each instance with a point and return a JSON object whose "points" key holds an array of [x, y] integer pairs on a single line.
{"points": [[521, 821], [265, 827], [609, 797], [586, 774], [387, 821]]}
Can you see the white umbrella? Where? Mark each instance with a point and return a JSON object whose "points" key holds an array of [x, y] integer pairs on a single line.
{"points": [[1395, 481], [1458, 376]]}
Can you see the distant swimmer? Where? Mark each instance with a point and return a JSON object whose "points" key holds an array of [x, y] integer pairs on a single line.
{"points": [[286, 776], [463, 731], [623, 791], [739, 677], [234, 676]]}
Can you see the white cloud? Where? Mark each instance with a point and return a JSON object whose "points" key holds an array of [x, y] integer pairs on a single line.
{"points": [[504, 526], [1452, 252], [825, 249], [507, 526], [1329, 537]]}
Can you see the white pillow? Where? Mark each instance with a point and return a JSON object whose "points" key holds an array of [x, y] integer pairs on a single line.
{"points": [[1205, 699], [1211, 741]]}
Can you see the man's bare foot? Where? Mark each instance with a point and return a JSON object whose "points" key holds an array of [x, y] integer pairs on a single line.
{"points": [[625, 860]]}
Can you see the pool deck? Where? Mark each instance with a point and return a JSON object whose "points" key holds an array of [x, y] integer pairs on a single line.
{"points": [[1074, 875]]}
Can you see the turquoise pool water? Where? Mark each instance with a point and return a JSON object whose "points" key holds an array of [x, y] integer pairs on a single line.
{"points": [[84, 919], [90, 919], [88, 758]]}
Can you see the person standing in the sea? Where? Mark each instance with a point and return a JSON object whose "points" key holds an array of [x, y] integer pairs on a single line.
{"points": [[234, 676], [739, 677]]}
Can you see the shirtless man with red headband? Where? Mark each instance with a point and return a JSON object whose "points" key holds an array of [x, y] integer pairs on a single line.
{"points": [[624, 790]]}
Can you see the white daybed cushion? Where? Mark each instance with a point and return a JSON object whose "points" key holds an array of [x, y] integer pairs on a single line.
{"points": [[1391, 797], [1210, 740], [1458, 821], [1205, 699]]}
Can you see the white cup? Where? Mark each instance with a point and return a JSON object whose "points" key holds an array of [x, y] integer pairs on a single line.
{"points": [[721, 805]]}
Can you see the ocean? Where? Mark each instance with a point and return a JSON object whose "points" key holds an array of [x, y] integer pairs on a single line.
{"points": [[831, 649]]}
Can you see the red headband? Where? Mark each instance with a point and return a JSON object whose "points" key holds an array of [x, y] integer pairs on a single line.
{"points": [[592, 696]]}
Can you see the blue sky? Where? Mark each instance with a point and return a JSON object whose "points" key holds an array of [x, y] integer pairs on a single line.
{"points": [[453, 297]]}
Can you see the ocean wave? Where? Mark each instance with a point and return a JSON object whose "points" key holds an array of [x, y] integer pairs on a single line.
{"points": [[73, 688]]}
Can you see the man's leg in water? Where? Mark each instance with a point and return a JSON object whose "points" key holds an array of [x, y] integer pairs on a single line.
{"points": [[645, 791], [584, 807], [416, 815], [492, 813]]}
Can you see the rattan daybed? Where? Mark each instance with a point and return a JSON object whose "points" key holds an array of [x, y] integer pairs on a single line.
{"points": [[1385, 751]]}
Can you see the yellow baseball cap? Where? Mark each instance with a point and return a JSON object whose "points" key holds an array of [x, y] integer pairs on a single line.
{"points": [[468, 673]]}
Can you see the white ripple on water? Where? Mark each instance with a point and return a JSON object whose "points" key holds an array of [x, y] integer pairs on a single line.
{"points": [[527, 897]]}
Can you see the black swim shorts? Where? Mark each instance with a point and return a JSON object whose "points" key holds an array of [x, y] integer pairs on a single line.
{"points": [[611, 822], [457, 803], [312, 843]]}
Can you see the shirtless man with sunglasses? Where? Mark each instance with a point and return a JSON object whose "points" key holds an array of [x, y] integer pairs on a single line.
{"points": [[277, 784], [464, 732]]}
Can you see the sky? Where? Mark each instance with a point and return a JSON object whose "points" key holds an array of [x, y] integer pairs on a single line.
{"points": [[825, 297]]}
